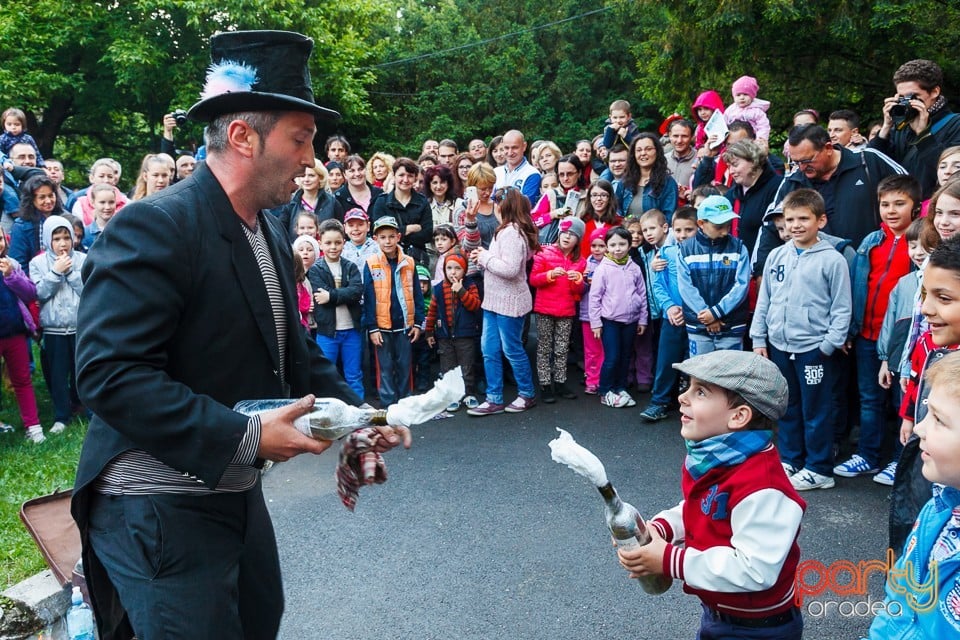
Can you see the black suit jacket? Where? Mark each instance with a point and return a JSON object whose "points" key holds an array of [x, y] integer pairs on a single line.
{"points": [[175, 327]]}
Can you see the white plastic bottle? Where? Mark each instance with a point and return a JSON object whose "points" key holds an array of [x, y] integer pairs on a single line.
{"points": [[79, 618]]}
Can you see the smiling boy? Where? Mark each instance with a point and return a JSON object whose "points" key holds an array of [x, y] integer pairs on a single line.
{"points": [[802, 316], [882, 259], [932, 552], [733, 539]]}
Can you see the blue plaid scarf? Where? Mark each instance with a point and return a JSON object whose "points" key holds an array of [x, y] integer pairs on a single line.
{"points": [[724, 450]]}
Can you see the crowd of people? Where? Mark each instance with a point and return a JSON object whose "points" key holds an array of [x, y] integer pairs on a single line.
{"points": [[833, 261], [659, 244]]}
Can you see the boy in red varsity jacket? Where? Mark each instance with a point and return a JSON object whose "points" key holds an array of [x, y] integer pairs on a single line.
{"points": [[733, 538]]}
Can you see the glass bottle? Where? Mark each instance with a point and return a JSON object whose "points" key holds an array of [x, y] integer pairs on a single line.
{"points": [[629, 530], [330, 419]]}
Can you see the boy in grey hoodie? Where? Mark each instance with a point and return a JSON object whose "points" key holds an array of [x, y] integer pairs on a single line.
{"points": [[802, 316], [56, 272]]}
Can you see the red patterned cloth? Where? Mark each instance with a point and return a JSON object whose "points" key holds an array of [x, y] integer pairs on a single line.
{"points": [[360, 464]]}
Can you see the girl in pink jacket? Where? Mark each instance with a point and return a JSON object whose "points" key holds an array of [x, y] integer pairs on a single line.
{"points": [[557, 276]]}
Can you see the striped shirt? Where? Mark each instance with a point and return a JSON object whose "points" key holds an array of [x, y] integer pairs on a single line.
{"points": [[136, 472]]}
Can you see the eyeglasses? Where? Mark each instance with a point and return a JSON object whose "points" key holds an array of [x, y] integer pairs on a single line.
{"points": [[567, 174], [800, 164], [599, 196]]}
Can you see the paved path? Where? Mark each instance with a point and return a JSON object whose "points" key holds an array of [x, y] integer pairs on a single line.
{"points": [[478, 534]]}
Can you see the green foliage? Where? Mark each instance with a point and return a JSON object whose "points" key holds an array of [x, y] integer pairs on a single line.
{"points": [[556, 82], [96, 77], [826, 55]]}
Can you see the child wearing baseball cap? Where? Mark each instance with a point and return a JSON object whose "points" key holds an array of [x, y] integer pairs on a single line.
{"points": [[713, 278], [733, 538]]}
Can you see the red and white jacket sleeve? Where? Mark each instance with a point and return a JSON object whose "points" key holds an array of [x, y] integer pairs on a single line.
{"points": [[764, 525]]}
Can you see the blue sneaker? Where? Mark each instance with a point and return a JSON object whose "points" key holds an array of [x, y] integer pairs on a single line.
{"points": [[887, 476], [654, 413], [855, 466]]}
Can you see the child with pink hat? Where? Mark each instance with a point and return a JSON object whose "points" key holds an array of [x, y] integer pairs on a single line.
{"points": [[748, 107]]}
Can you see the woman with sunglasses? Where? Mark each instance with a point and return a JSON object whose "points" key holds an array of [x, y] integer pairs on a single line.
{"points": [[553, 204]]}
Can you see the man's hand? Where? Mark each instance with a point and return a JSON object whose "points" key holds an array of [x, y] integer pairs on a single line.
{"points": [[280, 440], [169, 124], [376, 339], [646, 560], [392, 436], [414, 334], [321, 296]]}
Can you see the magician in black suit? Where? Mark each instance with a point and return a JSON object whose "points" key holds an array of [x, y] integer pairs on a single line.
{"points": [[188, 307]]}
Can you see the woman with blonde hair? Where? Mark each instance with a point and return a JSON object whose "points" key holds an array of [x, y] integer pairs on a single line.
{"points": [[483, 208], [379, 170], [312, 197]]}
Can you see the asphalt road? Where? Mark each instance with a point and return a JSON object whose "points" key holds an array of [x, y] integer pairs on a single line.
{"points": [[478, 534]]}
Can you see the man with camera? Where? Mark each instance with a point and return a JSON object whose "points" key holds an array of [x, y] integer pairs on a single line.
{"points": [[917, 123], [185, 161]]}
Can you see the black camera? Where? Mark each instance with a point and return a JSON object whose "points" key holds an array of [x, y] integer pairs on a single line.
{"points": [[903, 111], [180, 116]]}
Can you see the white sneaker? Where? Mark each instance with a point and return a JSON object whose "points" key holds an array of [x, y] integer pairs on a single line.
{"points": [[789, 469], [805, 479], [611, 399], [57, 427], [887, 476], [35, 434], [628, 401]]}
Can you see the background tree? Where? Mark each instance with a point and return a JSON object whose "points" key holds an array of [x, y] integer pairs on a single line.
{"points": [[820, 54], [95, 78]]}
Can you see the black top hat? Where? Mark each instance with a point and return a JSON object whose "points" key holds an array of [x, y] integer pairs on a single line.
{"points": [[258, 71]]}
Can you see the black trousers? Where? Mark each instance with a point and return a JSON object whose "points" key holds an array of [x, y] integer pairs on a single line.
{"points": [[185, 566]]}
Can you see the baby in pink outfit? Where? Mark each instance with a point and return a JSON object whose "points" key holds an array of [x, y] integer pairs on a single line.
{"points": [[746, 106]]}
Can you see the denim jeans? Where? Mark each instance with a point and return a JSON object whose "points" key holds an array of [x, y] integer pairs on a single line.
{"points": [[618, 338], [394, 368], [872, 398], [346, 346], [671, 348], [701, 343], [805, 438], [502, 336], [59, 362]]}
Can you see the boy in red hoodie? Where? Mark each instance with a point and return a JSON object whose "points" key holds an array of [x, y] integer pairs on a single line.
{"points": [[881, 261]]}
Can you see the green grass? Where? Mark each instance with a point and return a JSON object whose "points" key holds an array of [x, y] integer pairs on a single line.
{"points": [[29, 470]]}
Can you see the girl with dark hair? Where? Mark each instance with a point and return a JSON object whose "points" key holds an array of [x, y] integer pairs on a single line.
{"points": [[460, 166], [647, 183], [556, 204], [506, 303], [495, 154], [599, 211], [356, 192], [38, 201]]}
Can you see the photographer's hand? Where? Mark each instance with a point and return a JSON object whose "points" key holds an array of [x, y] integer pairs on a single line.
{"points": [[919, 123], [169, 124], [887, 118]]}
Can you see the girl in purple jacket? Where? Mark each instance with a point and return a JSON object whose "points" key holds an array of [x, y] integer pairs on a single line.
{"points": [[557, 275], [16, 323], [618, 313]]}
